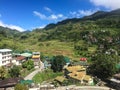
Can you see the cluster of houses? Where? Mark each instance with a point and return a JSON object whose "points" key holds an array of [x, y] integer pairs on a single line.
{"points": [[76, 74], [7, 58]]}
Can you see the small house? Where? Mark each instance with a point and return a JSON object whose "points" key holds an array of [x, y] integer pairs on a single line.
{"points": [[9, 83]]}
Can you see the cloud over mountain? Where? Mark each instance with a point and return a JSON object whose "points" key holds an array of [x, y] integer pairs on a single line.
{"points": [[50, 17], [109, 4], [80, 13], [12, 26]]}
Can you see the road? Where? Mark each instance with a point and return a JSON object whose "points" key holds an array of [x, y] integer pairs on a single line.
{"points": [[83, 88], [31, 75]]}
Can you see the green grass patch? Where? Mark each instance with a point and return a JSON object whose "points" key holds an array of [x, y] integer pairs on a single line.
{"points": [[24, 72], [46, 75]]}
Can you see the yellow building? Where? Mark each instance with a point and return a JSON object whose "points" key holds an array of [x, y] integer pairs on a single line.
{"points": [[78, 74], [36, 58]]}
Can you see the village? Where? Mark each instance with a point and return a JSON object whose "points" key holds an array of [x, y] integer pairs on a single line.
{"points": [[73, 73]]}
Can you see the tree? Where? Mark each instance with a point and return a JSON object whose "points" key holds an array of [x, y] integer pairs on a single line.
{"points": [[28, 64], [3, 72], [104, 65], [57, 63], [14, 71], [21, 87]]}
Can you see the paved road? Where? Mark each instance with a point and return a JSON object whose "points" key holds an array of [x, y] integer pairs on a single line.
{"points": [[83, 88], [31, 75]]}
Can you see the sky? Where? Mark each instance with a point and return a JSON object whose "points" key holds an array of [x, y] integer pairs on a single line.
{"points": [[30, 14]]}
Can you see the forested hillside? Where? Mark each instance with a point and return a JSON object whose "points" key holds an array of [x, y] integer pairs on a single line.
{"points": [[75, 37]]}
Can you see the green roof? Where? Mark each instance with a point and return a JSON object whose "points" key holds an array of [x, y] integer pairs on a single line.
{"points": [[26, 54], [118, 66], [67, 60], [26, 81]]}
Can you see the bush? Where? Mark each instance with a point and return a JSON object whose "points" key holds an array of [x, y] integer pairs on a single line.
{"points": [[14, 71], [28, 64], [21, 87]]}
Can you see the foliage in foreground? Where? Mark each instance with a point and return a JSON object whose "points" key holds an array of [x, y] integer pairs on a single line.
{"points": [[21, 87]]}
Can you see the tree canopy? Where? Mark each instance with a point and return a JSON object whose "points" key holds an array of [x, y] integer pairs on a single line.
{"points": [[104, 65], [14, 71], [3, 72], [57, 63]]}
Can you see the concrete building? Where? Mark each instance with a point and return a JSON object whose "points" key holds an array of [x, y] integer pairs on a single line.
{"points": [[36, 59], [5, 57]]}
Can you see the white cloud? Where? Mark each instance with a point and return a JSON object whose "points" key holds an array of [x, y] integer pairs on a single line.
{"points": [[41, 26], [87, 12], [109, 4], [50, 17], [38, 27], [60, 15], [55, 17], [47, 9], [12, 26], [81, 13], [40, 15]]}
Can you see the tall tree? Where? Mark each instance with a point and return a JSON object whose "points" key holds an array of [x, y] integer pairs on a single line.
{"points": [[104, 65], [57, 63], [14, 71]]}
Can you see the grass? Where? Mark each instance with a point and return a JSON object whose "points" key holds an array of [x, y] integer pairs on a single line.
{"points": [[53, 47], [25, 72], [46, 75]]}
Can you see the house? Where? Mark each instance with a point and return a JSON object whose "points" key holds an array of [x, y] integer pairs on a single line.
{"points": [[47, 64], [26, 55], [72, 69], [5, 57], [78, 74], [19, 60], [76, 77], [36, 59], [83, 59], [88, 80], [60, 79], [9, 83], [115, 81]]}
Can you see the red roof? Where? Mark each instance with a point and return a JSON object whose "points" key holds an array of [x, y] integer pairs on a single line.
{"points": [[83, 59], [20, 58], [9, 64]]}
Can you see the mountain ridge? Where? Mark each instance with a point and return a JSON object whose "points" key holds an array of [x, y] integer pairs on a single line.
{"points": [[97, 15]]}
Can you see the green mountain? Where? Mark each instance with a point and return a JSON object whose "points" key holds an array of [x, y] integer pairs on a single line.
{"points": [[7, 32], [73, 37], [73, 28]]}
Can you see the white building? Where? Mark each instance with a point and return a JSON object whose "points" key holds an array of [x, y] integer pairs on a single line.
{"points": [[5, 56]]}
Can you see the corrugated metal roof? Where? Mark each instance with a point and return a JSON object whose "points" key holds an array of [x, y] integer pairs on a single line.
{"points": [[26, 54], [5, 50]]}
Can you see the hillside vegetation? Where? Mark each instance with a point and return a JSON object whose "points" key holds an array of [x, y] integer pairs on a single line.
{"points": [[77, 37]]}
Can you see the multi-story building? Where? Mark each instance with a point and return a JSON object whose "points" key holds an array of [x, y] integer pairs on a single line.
{"points": [[5, 56], [36, 59]]}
